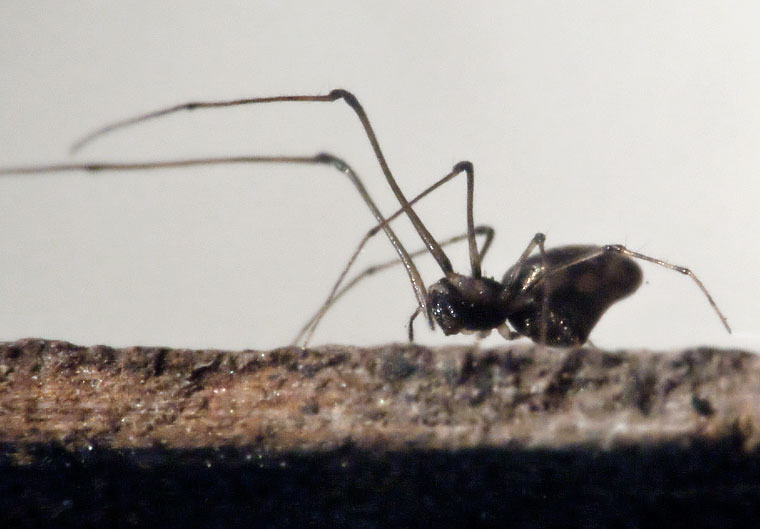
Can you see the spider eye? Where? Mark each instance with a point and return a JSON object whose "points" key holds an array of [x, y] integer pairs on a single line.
{"points": [[445, 311]]}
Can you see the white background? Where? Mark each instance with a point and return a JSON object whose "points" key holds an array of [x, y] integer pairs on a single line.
{"points": [[594, 122]]}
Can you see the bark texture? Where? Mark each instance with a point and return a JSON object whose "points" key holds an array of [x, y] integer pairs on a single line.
{"points": [[396, 435]]}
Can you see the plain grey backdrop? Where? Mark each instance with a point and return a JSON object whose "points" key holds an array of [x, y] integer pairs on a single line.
{"points": [[594, 122]]}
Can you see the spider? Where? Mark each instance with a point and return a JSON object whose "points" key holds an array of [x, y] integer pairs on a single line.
{"points": [[555, 297]]}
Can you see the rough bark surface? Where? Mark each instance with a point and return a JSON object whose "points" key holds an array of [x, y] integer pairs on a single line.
{"points": [[390, 436]]}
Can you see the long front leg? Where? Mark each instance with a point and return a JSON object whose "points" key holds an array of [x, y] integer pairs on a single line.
{"points": [[334, 95], [416, 280], [475, 257]]}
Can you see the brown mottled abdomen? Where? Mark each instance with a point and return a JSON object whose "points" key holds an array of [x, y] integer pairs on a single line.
{"points": [[578, 294]]}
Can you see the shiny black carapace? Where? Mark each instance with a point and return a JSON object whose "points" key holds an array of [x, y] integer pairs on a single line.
{"points": [[554, 297]]}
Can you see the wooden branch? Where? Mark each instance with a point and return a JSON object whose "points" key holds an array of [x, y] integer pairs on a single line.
{"points": [[346, 430], [388, 397]]}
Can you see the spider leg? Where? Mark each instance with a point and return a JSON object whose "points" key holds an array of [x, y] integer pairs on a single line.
{"points": [[475, 257], [310, 326], [322, 158], [411, 324], [432, 245], [620, 249], [538, 240], [507, 333]]}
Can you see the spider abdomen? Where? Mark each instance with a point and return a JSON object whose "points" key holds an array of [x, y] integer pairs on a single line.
{"points": [[579, 293]]}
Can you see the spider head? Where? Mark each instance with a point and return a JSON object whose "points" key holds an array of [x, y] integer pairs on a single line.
{"points": [[461, 303]]}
